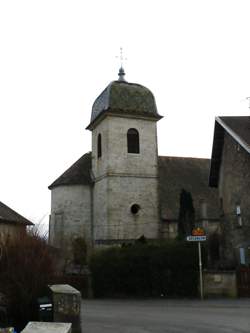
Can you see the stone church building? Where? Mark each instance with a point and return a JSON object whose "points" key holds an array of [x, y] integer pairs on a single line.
{"points": [[122, 189]]}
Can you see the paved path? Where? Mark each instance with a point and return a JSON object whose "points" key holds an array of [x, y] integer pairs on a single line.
{"points": [[160, 316]]}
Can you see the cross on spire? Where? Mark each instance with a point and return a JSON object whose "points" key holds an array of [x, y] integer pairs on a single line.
{"points": [[121, 73], [121, 56]]}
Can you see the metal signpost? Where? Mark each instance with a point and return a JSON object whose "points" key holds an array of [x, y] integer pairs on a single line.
{"points": [[198, 235]]}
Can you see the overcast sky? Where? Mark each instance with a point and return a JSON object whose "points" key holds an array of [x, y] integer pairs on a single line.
{"points": [[57, 56]]}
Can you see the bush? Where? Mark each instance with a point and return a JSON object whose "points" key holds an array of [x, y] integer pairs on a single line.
{"points": [[167, 269], [26, 267]]}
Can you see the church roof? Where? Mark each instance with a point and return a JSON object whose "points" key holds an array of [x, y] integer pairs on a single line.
{"points": [[77, 174], [122, 97], [190, 174], [239, 129], [175, 174], [8, 215]]}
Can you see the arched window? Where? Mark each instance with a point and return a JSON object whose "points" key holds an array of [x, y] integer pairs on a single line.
{"points": [[133, 141], [99, 146]]}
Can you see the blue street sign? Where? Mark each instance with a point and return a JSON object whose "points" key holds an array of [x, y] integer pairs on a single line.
{"points": [[196, 238]]}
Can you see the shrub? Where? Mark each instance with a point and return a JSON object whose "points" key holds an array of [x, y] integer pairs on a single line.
{"points": [[26, 266], [169, 269]]}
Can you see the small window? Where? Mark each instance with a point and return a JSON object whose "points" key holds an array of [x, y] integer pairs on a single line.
{"points": [[135, 209], [99, 146], [133, 141], [238, 211], [242, 256]]}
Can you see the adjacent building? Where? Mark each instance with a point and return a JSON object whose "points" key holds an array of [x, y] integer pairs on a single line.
{"points": [[11, 223], [230, 173]]}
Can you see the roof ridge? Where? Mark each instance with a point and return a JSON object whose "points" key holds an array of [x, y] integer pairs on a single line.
{"points": [[184, 157], [232, 132], [14, 216], [78, 173]]}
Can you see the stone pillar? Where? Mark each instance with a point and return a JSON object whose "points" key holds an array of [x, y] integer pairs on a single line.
{"points": [[66, 305], [42, 327]]}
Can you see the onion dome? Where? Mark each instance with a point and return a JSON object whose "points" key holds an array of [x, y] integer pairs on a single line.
{"points": [[124, 98]]}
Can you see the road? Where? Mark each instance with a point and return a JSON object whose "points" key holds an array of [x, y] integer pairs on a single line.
{"points": [[160, 316]]}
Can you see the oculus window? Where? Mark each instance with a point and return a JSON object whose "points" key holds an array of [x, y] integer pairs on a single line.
{"points": [[135, 209]]}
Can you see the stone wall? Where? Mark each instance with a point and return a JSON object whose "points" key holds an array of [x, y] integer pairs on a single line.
{"points": [[115, 158], [40, 327], [70, 215], [169, 229], [11, 230], [66, 305], [234, 190], [220, 284], [123, 179]]}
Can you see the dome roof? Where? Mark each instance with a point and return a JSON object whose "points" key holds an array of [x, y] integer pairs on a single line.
{"points": [[125, 98]]}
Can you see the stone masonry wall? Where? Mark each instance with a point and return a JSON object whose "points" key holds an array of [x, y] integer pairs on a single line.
{"points": [[100, 208], [123, 179], [234, 189], [123, 224], [9, 230], [115, 158], [70, 215]]}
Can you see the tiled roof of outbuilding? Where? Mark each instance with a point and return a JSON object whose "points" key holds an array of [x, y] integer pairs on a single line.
{"points": [[190, 174], [78, 173], [8, 215]]}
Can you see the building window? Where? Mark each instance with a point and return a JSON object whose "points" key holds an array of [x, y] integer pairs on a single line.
{"points": [[99, 146], [135, 209], [133, 141], [238, 214], [242, 256]]}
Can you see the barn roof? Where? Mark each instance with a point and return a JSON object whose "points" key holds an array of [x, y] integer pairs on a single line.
{"points": [[8, 215], [190, 174]]}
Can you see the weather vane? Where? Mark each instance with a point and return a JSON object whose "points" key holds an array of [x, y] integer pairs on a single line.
{"points": [[121, 73], [121, 57]]}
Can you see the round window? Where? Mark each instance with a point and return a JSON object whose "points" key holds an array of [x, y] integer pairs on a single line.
{"points": [[135, 209]]}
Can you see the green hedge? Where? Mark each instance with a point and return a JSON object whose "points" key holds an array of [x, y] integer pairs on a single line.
{"points": [[168, 269]]}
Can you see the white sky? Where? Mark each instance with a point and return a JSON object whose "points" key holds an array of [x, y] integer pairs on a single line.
{"points": [[56, 56]]}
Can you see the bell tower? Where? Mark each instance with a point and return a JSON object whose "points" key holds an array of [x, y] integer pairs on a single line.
{"points": [[124, 163]]}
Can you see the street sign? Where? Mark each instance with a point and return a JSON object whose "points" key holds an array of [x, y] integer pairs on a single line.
{"points": [[198, 235], [198, 232], [196, 238]]}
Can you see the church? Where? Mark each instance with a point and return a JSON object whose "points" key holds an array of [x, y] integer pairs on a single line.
{"points": [[122, 190]]}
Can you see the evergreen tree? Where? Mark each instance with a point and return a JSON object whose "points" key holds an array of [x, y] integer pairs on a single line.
{"points": [[186, 215]]}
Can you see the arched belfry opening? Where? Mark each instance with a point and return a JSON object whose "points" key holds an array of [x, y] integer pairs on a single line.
{"points": [[99, 146], [133, 141]]}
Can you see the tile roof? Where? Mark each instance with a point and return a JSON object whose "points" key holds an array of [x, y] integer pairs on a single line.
{"points": [[175, 174], [190, 174], [78, 173], [124, 98], [240, 126], [8, 215]]}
